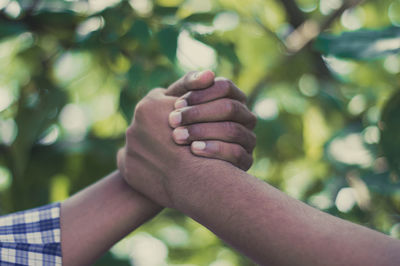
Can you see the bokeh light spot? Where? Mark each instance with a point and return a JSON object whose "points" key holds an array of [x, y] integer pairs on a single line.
{"points": [[71, 65], [147, 250], [307, 5], [345, 199], [327, 6], [392, 64], [226, 21], [321, 201], [73, 119], [5, 178], [4, 3], [350, 150], [6, 98], [339, 66], [357, 105], [174, 236], [98, 5], [308, 85], [372, 135], [394, 12], [90, 25], [51, 136], [143, 7], [198, 6], [353, 19], [193, 54], [13, 9], [8, 131], [267, 109], [395, 231]]}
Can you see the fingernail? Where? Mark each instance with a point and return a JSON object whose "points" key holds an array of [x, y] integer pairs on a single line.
{"points": [[196, 75], [180, 103], [181, 134], [175, 118], [198, 145]]}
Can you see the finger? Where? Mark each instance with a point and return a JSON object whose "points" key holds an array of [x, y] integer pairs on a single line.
{"points": [[215, 111], [222, 88], [121, 160], [223, 131], [191, 81], [230, 152]]}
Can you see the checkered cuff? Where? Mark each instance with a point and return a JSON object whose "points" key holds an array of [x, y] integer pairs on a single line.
{"points": [[31, 237]]}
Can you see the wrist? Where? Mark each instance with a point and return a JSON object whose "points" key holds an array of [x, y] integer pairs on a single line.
{"points": [[202, 180]]}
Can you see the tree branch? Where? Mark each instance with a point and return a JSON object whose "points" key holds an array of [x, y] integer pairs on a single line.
{"points": [[302, 40], [296, 16]]}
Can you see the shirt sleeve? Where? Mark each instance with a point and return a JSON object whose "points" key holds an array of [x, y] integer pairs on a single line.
{"points": [[31, 237]]}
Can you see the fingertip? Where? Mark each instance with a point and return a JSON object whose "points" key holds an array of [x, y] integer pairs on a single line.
{"points": [[180, 103], [198, 147], [208, 74], [175, 118], [207, 77], [203, 79], [180, 135]]}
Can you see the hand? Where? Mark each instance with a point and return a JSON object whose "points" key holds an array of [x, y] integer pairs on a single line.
{"points": [[150, 152], [216, 122]]}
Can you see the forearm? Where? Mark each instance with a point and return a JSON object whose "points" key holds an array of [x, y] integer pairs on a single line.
{"points": [[100, 215], [274, 229]]}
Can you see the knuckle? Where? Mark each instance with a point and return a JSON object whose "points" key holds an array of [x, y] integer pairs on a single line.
{"points": [[197, 131], [190, 114], [243, 160], [253, 117], [252, 120], [157, 91], [234, 131], [129, 133], [252, 140], [188, 78], [131, 138], [247, 163], [238, 154], [140, 109], [152, 93], [231, 107], [217, 149], [224, 85], [192, 97]]}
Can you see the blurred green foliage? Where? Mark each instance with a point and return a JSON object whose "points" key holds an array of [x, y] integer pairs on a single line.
{"points": [[329, 111]]}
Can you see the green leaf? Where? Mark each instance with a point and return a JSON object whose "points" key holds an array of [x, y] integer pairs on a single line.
{"points": [[8, 29], [53, 19], [360, 45], [227, 50], [127, 105], [223, 48], [140, 30], [390, 124], [136, 76], [168, 39], [160, 77], [381, 183], [165, 11], [200, 18]]}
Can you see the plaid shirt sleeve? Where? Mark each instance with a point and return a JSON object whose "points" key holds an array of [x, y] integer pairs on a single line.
{"points": [[31, 237]]}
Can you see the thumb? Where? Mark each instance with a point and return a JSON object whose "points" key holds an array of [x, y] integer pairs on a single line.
{"points": [[191, 81]]}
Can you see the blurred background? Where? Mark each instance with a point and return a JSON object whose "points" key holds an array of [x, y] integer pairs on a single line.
{"points": [[322, 76]]}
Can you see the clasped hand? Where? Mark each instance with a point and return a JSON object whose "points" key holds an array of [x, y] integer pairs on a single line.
{"points": [[199, 110]]}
